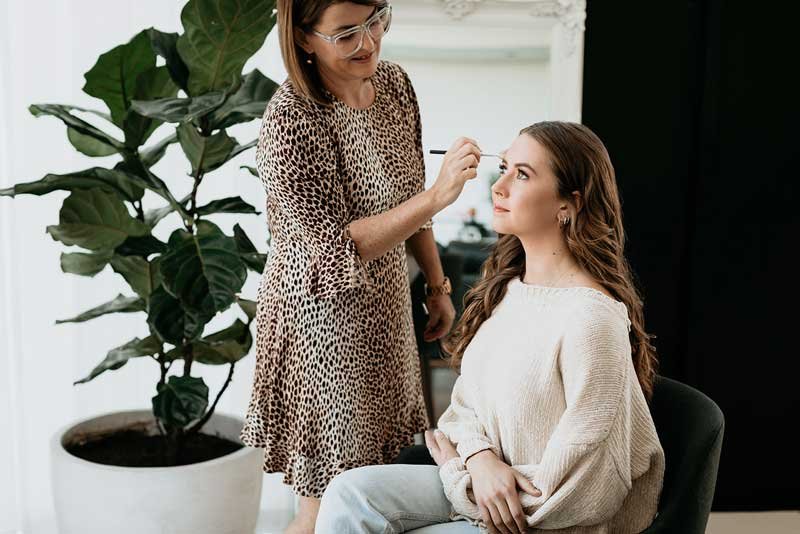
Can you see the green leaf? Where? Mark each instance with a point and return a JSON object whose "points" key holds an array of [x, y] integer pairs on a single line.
{"points": [[227, 205], [84, 264], [119, 356], [251, 170], [219, 37], [171, 322], [89, 146], [79, 125], [120, 304], [203, 270], [142, 246], [226, 346], [247, 103], [152, 155], [113, 78], [254, 260], [95, 220], [136, 271], [205, 153], [248, 307], [151, 84], [179, 109], [166, 46], [154, 216], [241, 148], [128, 186], [181, 400]]}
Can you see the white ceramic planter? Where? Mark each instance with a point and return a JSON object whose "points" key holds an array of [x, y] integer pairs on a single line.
{"points": [[219, 496]]}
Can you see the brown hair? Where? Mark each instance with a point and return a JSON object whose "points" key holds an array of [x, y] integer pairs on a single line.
{"points": [[594, 236], [304, 15]]}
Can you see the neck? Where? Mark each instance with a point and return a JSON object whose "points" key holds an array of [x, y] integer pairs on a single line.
{"points": [[355, 93], [547, 259]]}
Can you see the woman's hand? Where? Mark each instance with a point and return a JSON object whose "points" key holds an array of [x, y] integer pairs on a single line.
{"points": [[495, 484], [441, 314], [460, 164], [441, 448]]}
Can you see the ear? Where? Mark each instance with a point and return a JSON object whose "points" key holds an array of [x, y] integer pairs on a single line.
{"points": [[578, 200], [301, 39]]}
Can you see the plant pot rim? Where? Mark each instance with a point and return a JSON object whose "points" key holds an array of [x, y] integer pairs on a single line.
{"points": [[57, 447]]}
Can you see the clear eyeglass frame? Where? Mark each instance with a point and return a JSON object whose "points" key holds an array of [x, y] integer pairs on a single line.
{"points": [[345, 49]]}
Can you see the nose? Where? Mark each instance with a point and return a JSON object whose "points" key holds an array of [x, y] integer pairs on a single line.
{"points": [[369, 38], [499, 187]]}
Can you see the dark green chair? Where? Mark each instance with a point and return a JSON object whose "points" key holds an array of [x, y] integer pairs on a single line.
{"points": [[690, 427]]}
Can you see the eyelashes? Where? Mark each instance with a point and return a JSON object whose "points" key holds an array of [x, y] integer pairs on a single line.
{"points": [[504, 168]]}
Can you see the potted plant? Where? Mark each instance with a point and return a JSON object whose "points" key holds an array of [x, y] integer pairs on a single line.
{"points": [[176, 467]]}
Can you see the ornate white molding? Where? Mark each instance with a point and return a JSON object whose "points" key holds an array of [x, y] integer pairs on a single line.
{"points": [[570, 14], [458, 9]]}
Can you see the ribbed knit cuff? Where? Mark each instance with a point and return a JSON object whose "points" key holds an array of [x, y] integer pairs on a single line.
{"points": [[472, 446]]}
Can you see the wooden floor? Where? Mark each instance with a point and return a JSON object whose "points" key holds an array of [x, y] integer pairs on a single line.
{"points": [[754, 523], [718, 523]]}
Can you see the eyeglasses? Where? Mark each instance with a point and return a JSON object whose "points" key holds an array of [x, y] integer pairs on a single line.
{"points": [[348, 43]]}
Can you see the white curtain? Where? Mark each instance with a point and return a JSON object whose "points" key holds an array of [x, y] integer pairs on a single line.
{"points": [[45, 47]]}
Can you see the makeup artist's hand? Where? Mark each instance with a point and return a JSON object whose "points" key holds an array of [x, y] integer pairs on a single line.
{"points": [[460, 164], [441, 314]]}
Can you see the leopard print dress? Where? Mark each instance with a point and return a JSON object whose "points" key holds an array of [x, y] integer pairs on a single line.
{"points": [[337, 383]]}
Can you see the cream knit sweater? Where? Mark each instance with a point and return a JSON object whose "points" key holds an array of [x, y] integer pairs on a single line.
{"points": [[548, 385]]}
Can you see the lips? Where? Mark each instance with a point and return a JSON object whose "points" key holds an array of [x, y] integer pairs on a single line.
{"points": [[500, 209], [363, 58]]}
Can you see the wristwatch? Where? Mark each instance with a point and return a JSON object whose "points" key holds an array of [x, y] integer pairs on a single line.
{"points": [[444, 289]]}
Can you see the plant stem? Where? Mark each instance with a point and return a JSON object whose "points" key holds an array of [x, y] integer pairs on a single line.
{"points": [[164, 367], [139, 211], [199, 424], [188, 357]]}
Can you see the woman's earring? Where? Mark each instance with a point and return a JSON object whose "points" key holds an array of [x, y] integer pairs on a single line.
{"points": [[308, 60], [563, 221]]}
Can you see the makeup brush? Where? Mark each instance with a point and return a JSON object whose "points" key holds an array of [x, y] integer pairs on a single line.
{"points": [[482, 155]]}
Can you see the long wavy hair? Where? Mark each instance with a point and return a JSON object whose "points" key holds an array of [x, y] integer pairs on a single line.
{"points": [[594, 236]]}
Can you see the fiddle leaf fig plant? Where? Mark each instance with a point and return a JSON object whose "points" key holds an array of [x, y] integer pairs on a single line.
{"points": [[193, 97]]}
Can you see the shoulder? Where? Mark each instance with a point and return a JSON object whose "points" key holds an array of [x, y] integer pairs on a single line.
{"points": [[596, 319], [392, 73], [286, 103], [395, 81], [289, 115]]}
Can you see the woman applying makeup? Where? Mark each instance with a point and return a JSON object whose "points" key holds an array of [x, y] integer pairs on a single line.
{"points": [[549, 427], [337, 382]]}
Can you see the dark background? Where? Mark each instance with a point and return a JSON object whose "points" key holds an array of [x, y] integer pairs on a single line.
{"points": [[694, 103]]}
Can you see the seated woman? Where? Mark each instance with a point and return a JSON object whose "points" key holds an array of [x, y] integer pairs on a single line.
{"points": [[549, 426]]}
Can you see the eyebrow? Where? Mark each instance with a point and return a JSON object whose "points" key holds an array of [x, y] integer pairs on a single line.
{"points": [[521, 164], [348, 26]]}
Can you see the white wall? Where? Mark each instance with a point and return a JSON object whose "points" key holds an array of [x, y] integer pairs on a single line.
{"points": [[45, 47]]}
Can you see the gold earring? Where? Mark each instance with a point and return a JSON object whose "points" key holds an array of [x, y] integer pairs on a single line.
{"points": [[563, 221]]}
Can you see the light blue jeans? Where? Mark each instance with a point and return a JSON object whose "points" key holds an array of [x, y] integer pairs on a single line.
{"points": [[388, 499]]}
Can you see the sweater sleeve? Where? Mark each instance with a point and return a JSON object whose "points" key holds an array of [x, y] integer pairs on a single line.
{"points": [[461, 425], [579, 473], [297, 165]]}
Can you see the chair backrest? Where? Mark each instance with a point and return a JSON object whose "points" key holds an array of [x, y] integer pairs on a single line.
{"points": [[690, 427]]}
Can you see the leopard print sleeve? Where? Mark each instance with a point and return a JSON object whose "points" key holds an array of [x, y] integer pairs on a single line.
{"points": [[297, 164], [410, 99]]}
